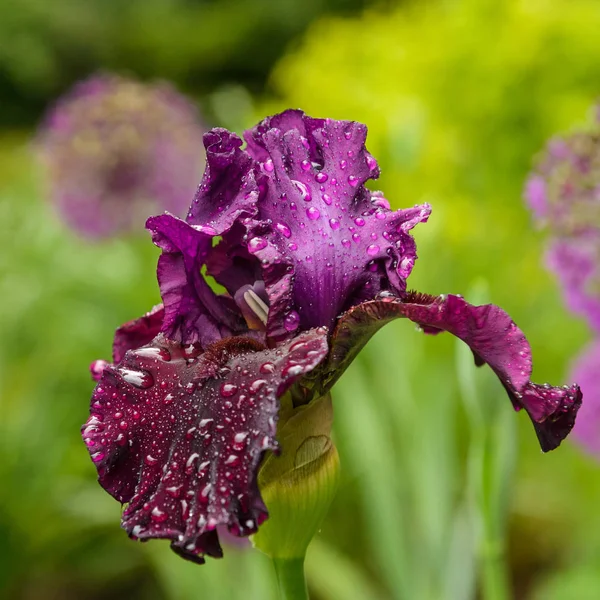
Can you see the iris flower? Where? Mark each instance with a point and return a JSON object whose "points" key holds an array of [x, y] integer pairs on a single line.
{"points": [[311, 264], [116, 150]]}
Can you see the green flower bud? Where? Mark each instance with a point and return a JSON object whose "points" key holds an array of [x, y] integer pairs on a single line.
{"points": [[299, 484]]}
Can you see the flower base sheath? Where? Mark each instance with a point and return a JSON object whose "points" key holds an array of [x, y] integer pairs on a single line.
{"points": [[313, 264]]}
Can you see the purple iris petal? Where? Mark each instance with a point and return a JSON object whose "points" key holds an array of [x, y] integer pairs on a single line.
{"points": [[585, 369], [228, 189], [193, 312], [323, 241], [492, 336], [179, 434]]}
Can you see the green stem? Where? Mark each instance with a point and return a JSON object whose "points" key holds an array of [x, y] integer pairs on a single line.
{"points": [[290, 576], [495, 584]]}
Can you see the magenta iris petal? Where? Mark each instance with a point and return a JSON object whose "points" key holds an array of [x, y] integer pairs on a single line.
{"points": [[179, 434], [324, 240], [492, 336], [193, 312], [228, 190]]}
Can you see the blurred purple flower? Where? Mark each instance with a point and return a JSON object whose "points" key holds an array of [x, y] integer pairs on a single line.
{"points": [[586, 368], [116, 150], [313, 264], [563, 193]]}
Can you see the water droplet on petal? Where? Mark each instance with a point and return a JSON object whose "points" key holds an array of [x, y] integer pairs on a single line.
{"points": [[140, 379], [313, 213], [291, 321], [283, 229], [371, 162], [268, 165], [228, 390], [360, 222], [305, 164], [256, 244], [303, 189], [321, 177], [353, 180], [372, 250], [334, 223], [346, 243], [327, 199], [267, 367]]}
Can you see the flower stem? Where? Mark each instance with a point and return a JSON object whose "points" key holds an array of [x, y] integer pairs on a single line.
{"points": [[290, 576]]}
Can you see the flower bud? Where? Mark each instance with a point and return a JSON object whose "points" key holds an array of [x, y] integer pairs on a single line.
{"points": [[299, 485]]}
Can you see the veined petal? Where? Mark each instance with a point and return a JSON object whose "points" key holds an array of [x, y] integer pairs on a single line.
{"points": [[492, 336], [228, 190], [179, 435], [193, 312], [294, 205], [324, 241]]}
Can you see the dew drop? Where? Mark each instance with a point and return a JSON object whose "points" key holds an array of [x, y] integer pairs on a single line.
{"points": [[372, 250], [139, 379], [313, 213], [321, 177], [327, 199], [291, 321], [371, 163], [346, 243], [256, 244], [150, 460], [157, 515], [356, 237], [268, 166], [353, 180], [334, 223], [283, 229], [360, 222], [305, 165], [228, 390], [303, 189], [267, 367], [257, 385]]}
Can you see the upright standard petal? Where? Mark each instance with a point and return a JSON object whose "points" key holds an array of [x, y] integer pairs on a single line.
{"points": [[321, 240], [179, 435], [228, 190], [325, 242], [492, 336]]}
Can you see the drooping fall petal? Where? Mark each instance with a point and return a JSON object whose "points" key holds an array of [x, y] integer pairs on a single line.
{"points": [[178, 434], [491, 334]]}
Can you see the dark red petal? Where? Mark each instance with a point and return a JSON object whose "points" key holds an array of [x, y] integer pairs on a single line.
{"points": [[180, 435], [492, 336], [138, 332]]}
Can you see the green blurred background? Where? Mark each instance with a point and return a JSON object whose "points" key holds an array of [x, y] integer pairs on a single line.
{"points": [[442, 484]]}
